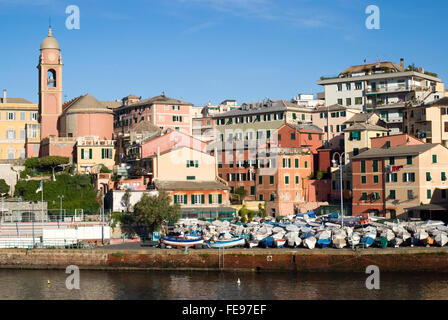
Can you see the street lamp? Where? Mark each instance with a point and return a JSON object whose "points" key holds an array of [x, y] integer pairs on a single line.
{"points": [[341, 159], [60, 210]]}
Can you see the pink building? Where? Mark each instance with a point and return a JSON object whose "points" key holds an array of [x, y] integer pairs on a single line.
{"points": [[162, 111], [395, 140], [86, 116], [173, 139]]}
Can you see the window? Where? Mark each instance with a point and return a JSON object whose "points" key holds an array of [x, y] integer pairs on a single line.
{"points": [[363, 166], [86, 153], [36, 148], [409, 160], [106, 153], [260, 179], [391, 160], [355, 151], [392, 194], [260, 197], [51, 78], [364, 196], [180, 198], [358, 86], [428, 176], [191, 177], [428, 194], [11, 134], [363, 179], [375, 179], [375, 165], [271, 179], [10, 116], [434, 158], [193, 163], [286, 179], [293, 136], [296, 163], [177, 118], [349, 101], [443, 176], [409, 177], [310, 136], [358, 100], [340, 102], [297, 179], [339, 86], [410, 194], [355, 135], [446, 126], [22, 116], [348, 86], [197, 198], [306, 164], [252, 190]]}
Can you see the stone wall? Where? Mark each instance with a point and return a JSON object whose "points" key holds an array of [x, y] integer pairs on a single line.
{"points": [[388, 260]]}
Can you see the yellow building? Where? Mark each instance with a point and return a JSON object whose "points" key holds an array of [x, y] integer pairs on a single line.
{"points": [[92, 153], [15, 115], [428, 122]]}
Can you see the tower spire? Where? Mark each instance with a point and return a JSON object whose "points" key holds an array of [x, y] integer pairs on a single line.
{"points": [[49, 27]]}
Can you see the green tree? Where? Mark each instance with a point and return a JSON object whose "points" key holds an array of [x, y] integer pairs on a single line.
{"points": [[4, 187], [105, 169], [151, 213], [53, 162], [241, 192], [32, 163], [77, 190]]}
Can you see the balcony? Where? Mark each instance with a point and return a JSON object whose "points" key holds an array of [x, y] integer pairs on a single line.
{"points": [[387, 89]]}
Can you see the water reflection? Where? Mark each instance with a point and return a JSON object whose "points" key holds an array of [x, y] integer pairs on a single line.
{"points": [[32, 284]]}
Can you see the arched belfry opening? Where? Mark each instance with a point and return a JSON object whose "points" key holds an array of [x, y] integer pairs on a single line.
{"points": [[51, 78]]}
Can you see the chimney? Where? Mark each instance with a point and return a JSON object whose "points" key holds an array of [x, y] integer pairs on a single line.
{"points": [[402, 63], [4, 96]]}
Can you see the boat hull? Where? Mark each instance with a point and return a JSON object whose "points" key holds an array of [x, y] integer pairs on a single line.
{"points": [[182, 243], [227, 243]]}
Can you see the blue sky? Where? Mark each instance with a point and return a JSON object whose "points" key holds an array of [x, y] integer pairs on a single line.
{"points": [[202, 50]]}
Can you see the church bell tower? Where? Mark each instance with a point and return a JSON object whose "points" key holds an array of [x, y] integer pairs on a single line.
{"points": [[50, 86]]}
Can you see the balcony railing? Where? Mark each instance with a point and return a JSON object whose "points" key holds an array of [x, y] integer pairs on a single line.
{"points": [[389, 89]]}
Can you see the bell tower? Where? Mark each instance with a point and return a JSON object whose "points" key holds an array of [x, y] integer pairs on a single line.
{"points": [[50, 86]]}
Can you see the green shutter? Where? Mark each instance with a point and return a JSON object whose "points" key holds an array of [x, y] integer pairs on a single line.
{"points": [[188, 163], [219, 198], [296, 162], [306, 164], [185, 199], [82, 153], [175, 198], [434, 158], [202, 198], [210, 198], [363, 166], [90, 153], [192, 199], [196, 163], [102, 153]]}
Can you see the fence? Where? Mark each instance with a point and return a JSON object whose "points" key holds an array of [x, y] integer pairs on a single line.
{"points": [[52, 215]]}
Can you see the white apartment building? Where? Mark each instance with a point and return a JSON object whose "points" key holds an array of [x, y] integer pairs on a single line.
{"points": [[384, 87]]}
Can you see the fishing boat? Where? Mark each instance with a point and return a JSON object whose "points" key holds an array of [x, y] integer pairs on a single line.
{"points": [[181, 242], [428, 241], [441, 239], [381, 242], [353, 239], [324, 238], [338, 239], [368, 239], [309, 242], [267, 242], [226, 243], [193, 236], [279, 243]]}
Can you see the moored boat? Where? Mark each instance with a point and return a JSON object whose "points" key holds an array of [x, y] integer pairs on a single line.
{"points": [[226, 243], [181, 242]]}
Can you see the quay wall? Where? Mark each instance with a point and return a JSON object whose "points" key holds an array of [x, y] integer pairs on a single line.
{"points": [[254, 260]]}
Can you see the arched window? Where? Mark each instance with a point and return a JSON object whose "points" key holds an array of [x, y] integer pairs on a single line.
{"points": [[51, 78]]}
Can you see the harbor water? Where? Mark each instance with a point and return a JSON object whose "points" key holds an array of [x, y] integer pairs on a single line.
{"points": [[111, 285]]}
